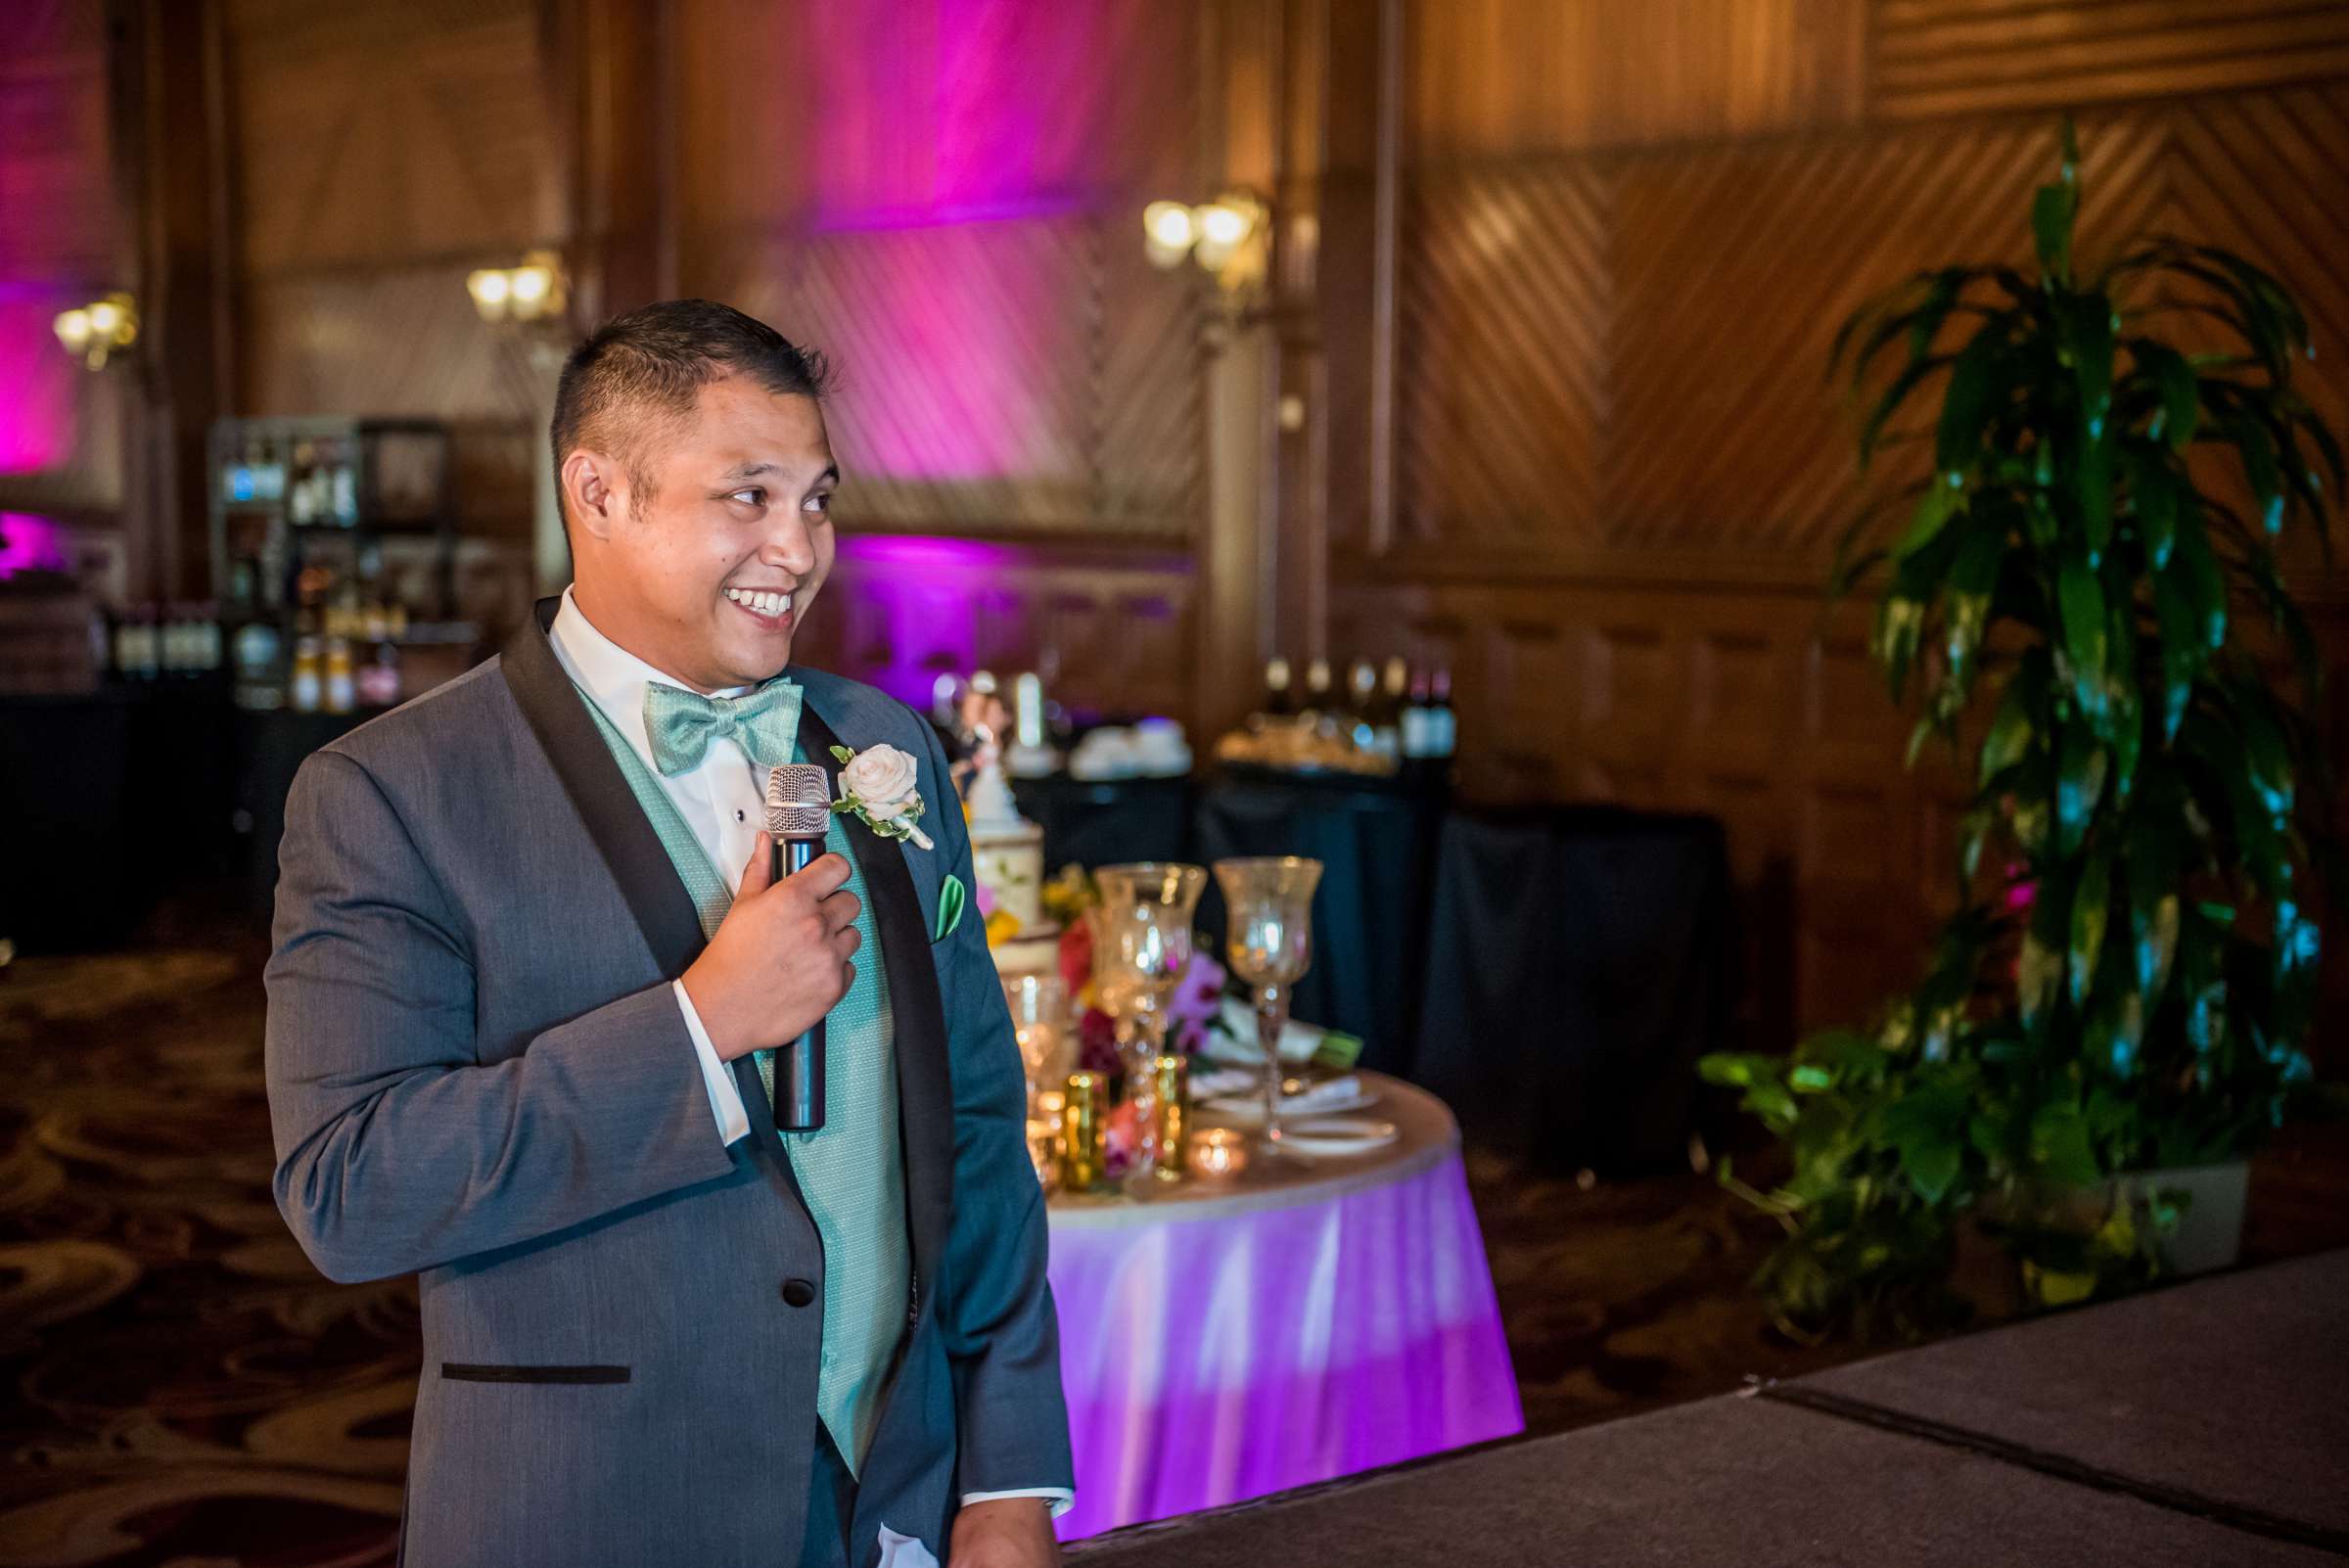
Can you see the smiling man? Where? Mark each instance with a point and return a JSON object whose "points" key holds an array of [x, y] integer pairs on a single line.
{"points": [[532, 970]]}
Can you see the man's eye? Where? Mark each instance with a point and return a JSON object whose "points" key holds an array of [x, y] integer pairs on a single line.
{"points": [[820, 504], [748, 497]]}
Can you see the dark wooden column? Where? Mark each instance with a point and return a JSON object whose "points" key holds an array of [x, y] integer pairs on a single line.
{"points": [[167, 109], [1303, 107], [615, 84]]}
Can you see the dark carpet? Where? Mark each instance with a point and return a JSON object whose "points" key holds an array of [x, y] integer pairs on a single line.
{"points": [[187, 1392]]}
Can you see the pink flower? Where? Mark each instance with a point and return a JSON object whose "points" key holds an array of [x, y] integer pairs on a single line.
{"points": [[1075, 955]]}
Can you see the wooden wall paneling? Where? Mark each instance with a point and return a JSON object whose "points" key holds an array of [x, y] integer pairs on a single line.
{"points": [[345, 161], [964, 360], [1950, 58], [398, 342], [860, 112], [60, 244], [2268, 175], [1507, 360], [1111, 629], [1511, 77]]}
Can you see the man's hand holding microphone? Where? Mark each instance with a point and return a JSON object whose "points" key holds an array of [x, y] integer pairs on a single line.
{"points": [[782, 958]]}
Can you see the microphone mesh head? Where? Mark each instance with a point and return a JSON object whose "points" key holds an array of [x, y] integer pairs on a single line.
{"points": [[799, 803]]}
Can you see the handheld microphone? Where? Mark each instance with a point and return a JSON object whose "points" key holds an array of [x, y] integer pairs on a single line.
{"points": [[798, 810]]}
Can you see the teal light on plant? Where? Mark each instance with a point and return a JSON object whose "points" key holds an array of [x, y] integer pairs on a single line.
{"points": [[2114, 459]]}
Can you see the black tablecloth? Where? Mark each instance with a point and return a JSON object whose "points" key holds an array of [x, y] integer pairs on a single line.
{"points": [[1101, 824], [1374, 843], [1579, 960], [107, 799]]}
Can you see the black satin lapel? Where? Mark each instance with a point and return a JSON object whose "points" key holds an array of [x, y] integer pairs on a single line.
{"points": [[925, 1090], [623, 835]]}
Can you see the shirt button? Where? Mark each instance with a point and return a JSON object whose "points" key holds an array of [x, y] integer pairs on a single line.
{"points": [[797, 1292], [738, 816]]}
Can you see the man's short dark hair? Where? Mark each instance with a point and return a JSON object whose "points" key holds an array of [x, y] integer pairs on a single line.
{"points": [[641, 373]]}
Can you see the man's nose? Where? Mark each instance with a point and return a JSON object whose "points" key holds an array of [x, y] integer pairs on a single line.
{"points": [[788, 545]]}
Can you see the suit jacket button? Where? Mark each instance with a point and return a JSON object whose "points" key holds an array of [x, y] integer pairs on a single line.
{"points": [[797, 1292]]}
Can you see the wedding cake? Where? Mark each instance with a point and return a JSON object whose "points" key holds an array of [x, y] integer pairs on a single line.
{"points": [[1007, 855]]}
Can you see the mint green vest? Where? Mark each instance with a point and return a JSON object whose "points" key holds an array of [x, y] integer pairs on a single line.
{"points": [[848, 1169]]}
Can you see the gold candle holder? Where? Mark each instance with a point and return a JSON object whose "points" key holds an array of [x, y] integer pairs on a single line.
{"points": [[1218, 1151], [1043, 1152], [1170, 1081], [1083, 1156]]}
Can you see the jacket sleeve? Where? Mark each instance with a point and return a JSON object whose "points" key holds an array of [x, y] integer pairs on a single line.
{"points": [[1002, 1337], [396, 1149]]}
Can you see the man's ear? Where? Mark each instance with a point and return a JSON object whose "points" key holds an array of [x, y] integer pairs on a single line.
{"points": [[595, 491]]}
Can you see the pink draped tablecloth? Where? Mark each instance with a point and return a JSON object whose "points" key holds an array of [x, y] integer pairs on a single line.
{"points": [[1285, 1326]]}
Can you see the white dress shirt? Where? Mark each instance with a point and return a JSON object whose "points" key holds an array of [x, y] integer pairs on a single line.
{"points": [[721, 800], [724, 801]]}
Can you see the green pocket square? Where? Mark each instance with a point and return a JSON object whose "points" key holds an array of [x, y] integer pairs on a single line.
{"points": [[951, 899]]}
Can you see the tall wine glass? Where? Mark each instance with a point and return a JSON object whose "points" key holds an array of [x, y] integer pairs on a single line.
{"points": [[1141, 941], [1270, 945]]}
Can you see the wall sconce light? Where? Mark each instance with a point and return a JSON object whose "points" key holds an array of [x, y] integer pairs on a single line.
{"points": [[1226, 237], [95, 331], [535, 290]]}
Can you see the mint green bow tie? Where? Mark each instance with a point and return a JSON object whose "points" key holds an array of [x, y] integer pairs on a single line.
{"points": [[682, 723]]}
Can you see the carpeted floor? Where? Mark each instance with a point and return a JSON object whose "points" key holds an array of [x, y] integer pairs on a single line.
{"points": [[185, 1390]]}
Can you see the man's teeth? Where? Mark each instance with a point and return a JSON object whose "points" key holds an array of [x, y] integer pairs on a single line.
{"points": [[765, 604]]}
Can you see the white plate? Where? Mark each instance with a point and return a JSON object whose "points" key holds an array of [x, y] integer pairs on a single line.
{"points": [[1248, 1110], [1334, 1135]]}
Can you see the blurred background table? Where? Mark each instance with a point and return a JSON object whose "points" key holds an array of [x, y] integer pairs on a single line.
{"points": [[1293, 1322]]}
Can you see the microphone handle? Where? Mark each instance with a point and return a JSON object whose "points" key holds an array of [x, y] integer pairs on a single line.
{"points": [[800, 1065]]}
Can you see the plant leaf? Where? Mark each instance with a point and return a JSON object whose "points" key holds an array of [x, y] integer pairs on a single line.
{"points": [[2081, 597], [1966, 403], [2090, 908], [2051, 209], [2079, 785]]}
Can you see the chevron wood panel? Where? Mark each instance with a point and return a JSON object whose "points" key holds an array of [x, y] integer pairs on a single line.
{"points": [[856, 113], [985, 386], [2268, 175], [1508, 339], [1970, 57], [379, 131], [1737, 264], [1519, 76]]}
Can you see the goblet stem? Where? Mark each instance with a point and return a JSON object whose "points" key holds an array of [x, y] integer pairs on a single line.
{"points": [[1137, 1050], [1271, 1018]]}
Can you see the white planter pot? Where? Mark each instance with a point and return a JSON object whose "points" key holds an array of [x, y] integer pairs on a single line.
{"points": [[2210, 1231]]}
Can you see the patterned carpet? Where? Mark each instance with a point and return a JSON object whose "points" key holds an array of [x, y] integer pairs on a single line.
{"points": [[188, 1392]]}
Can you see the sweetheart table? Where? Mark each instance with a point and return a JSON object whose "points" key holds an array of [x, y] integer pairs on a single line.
{"points": [[1233, 1336]]}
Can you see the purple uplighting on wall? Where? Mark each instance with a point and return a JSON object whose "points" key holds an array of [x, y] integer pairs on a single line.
{"points": [[31, 544], [36, 384]]}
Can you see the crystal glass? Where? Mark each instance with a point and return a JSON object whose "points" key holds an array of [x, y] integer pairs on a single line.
{"points": [[1039, 1022], [1142, 942], [1271, 945]]}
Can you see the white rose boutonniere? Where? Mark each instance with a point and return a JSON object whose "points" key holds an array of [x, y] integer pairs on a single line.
{"points": [[876, 787]]}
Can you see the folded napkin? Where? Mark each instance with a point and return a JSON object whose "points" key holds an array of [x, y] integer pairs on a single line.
{"points": [[1323, 1097], [1235, 1042]]}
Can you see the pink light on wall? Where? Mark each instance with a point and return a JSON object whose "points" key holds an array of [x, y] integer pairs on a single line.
{"points": [[31, 544], [36, 384], [955, 108]]}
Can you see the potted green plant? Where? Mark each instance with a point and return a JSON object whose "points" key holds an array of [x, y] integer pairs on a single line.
{"points": [[2128, 985]]}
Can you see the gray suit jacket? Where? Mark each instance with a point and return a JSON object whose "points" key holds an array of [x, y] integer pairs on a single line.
{"points": [[478, 1072]]}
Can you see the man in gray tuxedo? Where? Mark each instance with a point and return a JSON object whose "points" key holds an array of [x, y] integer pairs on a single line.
{"points": [[531, 973]]}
